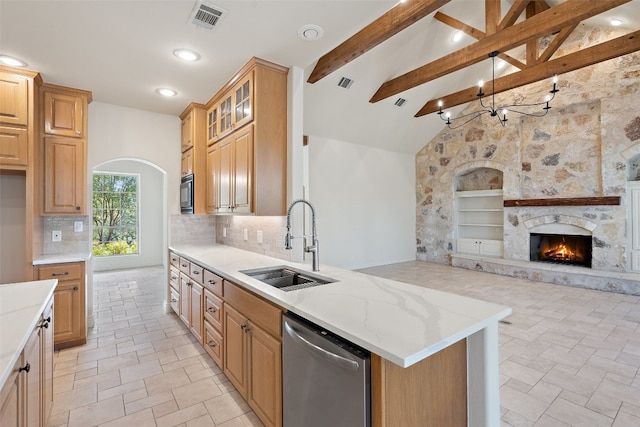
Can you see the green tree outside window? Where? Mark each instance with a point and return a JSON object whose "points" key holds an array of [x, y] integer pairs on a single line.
{"points": [[115, 214]]}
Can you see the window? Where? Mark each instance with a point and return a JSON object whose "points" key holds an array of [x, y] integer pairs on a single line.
{"points": [[115, 214]]}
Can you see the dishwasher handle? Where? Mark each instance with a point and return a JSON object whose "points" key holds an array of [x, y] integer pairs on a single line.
{"points": [[336, 359]]}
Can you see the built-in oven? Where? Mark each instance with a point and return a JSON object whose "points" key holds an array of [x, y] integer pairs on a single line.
{"points": [[186, 194]]}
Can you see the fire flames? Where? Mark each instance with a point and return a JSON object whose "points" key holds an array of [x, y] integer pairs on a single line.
{"points": [[561, 252]]}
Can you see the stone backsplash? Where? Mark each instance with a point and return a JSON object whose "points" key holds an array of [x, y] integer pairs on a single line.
{"points": [[587, 145], [273, 229], [72, 241]]}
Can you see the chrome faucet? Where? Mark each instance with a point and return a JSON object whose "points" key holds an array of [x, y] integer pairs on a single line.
{"points": [[314, 249]]}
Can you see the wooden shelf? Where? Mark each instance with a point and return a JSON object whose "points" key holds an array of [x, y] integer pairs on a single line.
{"points": [[568, 201]]}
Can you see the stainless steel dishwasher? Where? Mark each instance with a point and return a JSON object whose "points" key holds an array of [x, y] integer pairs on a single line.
{"points": [[326, 379]]}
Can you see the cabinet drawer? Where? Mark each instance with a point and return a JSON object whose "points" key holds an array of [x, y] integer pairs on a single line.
{"points": [[13, 146], [213, 309], [261, 312], [175, 300], [213, 282], [213, 344], [70, 271], [174, 260], [174, 277], [196, 272], [185, 266]]}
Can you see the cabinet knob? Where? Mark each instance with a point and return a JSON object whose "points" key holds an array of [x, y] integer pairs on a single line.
{"points": [[211, 344], [174, 300], [196, 273], [211, 309], [77, 208], [26, 368], [75, 288], [78, 131]]}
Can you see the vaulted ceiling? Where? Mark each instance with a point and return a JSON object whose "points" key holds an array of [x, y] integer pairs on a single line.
{"points": [[122, 50]]}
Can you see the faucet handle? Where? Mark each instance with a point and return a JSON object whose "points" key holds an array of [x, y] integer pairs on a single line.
{"points": [[287, 241]]}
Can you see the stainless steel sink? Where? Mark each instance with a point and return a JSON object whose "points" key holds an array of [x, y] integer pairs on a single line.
{"points": [[287, 278]]}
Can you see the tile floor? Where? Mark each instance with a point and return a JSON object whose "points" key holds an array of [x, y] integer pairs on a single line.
{"points": [[570, 356], [140, 366]]}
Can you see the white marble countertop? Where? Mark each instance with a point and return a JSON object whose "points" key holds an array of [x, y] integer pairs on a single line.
{"points": [[60, 258], [20, 307], [403, 323]]}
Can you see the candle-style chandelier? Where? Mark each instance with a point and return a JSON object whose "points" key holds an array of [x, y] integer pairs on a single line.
{"points": [[454, 123]]}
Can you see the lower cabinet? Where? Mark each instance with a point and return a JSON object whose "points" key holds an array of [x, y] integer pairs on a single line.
{"points": [[492, 248], [69, 302], [191, 300], [25, 399]]}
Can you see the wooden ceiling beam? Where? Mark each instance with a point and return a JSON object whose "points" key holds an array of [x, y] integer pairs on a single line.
{"points": [[547, 22], [476, 34], [556, 43], [619, 46], [399, 17], [513, 14], [491, 15]]}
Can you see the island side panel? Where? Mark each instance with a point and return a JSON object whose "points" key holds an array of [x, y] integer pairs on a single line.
{"points": [[432, 392], [484, 386]]}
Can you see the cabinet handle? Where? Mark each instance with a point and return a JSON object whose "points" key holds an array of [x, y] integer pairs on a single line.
{"points": [[75, 288], [77, 208], [211, 344], [212, 282], [48, 319], [174, 300], [77, 131], [26, 368], [196, 272], [184, 265], [211, 310], [66, 273], [243, 326]]}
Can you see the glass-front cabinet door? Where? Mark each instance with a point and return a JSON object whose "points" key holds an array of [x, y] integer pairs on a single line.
{"points": [[212, 125], [225, 116], [243, 92]]}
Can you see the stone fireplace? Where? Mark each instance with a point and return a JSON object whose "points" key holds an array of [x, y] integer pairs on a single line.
{"points": [[565, 249]]}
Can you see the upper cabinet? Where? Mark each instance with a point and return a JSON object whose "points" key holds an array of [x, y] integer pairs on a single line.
{"points": [[64, 114], [194, 152], [247, 135], [63, 150], [17, 117]]}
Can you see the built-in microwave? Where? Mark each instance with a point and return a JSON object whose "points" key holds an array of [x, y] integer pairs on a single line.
{"points": [[186, 194]]}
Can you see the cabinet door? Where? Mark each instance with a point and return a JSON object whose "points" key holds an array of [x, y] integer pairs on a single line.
{"points": [[491, 248], [13, 146], [185, 299], [33, 398], [265, 375], [63, 115], [68, 312], [47, 362], [235, 349], [226, 175], [243, 170], [14, 96], [243, 100], [213, 178], [212, 124], [468, 246], [11, 413], [187, 132], [196, 317], [186, 162], [225, 111], [64, 176]]}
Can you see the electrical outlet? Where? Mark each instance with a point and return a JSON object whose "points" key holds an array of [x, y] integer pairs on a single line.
{"points": [[78, 226], [259, 236], [56, 236], [246, 234]]}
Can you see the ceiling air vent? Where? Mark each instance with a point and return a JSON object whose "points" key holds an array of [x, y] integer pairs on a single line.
{"points": [[345, 82], [206, 15], [399, 102]]}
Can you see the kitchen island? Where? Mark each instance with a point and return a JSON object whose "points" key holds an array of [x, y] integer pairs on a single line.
{"points": [[411, 331]]}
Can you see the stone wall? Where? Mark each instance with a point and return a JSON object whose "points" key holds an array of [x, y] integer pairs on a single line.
{"points": [[587, 145]]}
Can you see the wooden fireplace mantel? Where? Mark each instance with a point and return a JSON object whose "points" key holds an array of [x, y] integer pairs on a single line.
{"points": [[565, 201]]}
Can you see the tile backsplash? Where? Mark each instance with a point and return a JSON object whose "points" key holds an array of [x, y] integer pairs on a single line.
{"points": [[72, 241], [272, 228]]}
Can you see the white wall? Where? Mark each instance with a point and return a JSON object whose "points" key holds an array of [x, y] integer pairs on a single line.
{"points": [[365, 203], [12, 228], [151, 214]]}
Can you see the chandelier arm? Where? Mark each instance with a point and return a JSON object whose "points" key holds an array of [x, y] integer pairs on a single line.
{"points": [[539, 114], [475, 115]]}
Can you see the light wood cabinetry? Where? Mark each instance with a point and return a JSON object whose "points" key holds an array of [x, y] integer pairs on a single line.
{"points": [[14, 97], [14, 146], [247, 121], [253, 351], [17, 115], [194, 152], [480, 222], [69, 302], [64, 150], [25, 399], [191, 298]]}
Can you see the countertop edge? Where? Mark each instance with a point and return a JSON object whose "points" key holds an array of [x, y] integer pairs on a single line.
{"points": [[52, 283], [46, 259]]}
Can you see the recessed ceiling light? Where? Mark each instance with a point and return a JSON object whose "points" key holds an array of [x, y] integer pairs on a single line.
{"points": [[457, 36], [11, 61], [166, 91], [310, 32], [616, 22], [187, 55]]}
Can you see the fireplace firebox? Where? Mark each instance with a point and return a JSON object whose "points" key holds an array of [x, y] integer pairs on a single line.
{"points": [[561, 248]]}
